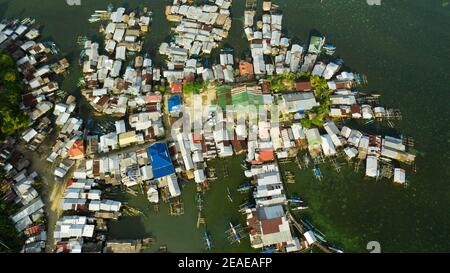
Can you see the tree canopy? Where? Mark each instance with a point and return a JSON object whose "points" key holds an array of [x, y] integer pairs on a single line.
{"points": [[286, 81], [12, 118], [320, 113], [194, 88]]}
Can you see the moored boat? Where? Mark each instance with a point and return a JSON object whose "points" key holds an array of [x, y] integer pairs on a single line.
{"points": [[329, 49]]}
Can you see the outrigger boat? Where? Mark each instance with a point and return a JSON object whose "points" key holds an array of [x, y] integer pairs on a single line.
{"points": [[94, 19], [234, 233], [317, 173], [245, 187], [229, 195], [269, 250], [299, 208], [207, 240], [369, 122], [295, 200], [246, 205], [110, 7], [337, 250], [329, 49]]}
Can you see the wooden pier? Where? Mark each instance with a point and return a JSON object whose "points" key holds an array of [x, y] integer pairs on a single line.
{"points": [[225, 170], [176, 208], [302, 231], [211, 174], [336, 165], [290, 177], [408, 141], [319, 159], [250, 4], [387, 171], [357, 165], [393, 114], [200, 220]]}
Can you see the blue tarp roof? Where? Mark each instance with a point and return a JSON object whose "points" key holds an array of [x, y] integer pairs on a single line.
{"points": [[160, 159], [174, 103]]}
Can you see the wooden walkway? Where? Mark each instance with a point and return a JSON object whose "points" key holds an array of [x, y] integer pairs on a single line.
{"points": [[301, 229]]}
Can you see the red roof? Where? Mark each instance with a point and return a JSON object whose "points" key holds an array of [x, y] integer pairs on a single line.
{"points": [[176, 87], [197, 138], [246, 69], [303, 86], [70, 182], [77, 149], [266, 155], [153, 98], [343, 84], [271, 226], [33, 230]]}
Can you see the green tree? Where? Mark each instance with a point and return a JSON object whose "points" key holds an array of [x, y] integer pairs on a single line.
{"points": [[11, 240], [12, 118], [194, 88], [12, 121], [306, 123], [6, 61]]}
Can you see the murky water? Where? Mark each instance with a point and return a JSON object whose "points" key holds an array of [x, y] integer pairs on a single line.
{"points": [[403, 48]]}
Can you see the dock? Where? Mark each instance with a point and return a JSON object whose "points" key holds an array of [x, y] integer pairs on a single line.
{"points": [[302, 230], [200, 220], [250, 4], [393, 114], [290, 177], [225, 170], [408, 141], [357, 165], [176, 208], [336, 165]]}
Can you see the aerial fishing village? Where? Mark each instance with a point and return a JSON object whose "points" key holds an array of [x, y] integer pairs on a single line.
{"points": [[144, 150]]}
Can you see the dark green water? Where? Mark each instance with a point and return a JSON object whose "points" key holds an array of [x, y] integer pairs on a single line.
{"points": [[403, 48]]}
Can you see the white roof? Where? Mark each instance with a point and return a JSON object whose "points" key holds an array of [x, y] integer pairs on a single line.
{"points": [[310, 237], [174, 188], [199, 176], [120, 126], [120, 52], [268, 178], [350, 152], [313, 135], [331, 128], [327, 145], [29, 135], [372, 166], [116, 17], [399, 175]]}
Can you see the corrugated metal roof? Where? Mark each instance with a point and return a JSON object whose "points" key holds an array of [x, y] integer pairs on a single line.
{"points": [[160, 159]]}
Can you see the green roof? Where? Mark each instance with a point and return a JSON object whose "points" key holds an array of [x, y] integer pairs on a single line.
{"points": [[247, 98], [315, 44], [223, 96]]}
